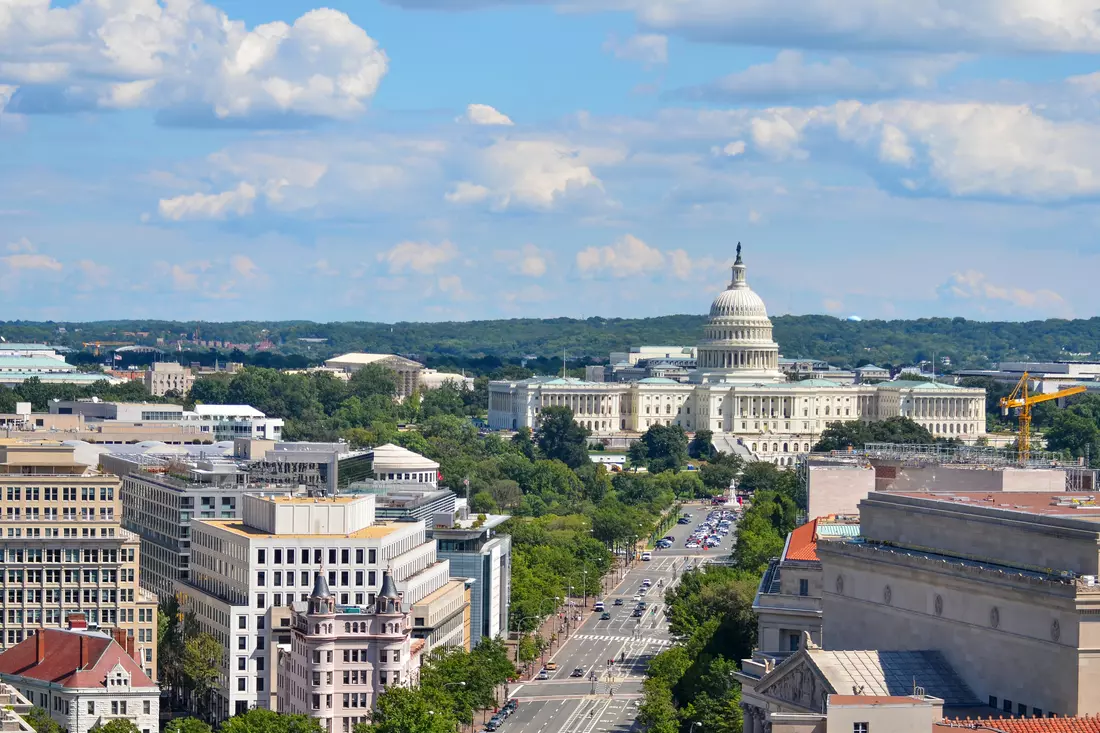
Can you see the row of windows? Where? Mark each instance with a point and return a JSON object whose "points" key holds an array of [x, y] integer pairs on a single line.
{"points": [[23, 555], [344, 555], [1021, 708]]}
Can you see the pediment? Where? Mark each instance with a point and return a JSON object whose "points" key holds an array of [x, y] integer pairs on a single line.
{"points": [[797, 683]]}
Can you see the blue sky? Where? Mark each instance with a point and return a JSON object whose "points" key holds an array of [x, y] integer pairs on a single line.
{"points": [[458, 159]]}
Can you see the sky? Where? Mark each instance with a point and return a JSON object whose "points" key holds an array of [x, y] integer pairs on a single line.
{"points": [[407, 160]]}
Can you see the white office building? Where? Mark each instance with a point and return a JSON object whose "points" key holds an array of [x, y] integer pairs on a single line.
{"points": [[246, 573]]}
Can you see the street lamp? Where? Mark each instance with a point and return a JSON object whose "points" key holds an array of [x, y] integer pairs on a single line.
{"points": [[693, 724]]}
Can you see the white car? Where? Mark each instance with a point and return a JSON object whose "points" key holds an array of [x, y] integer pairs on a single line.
{"points": [[647, 556], [647, 582]]}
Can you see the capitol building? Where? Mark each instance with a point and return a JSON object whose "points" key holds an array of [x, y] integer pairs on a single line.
{"points": [[737, 390]]}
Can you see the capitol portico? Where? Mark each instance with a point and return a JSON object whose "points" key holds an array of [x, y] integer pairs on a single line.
{"points": [[738, 391]]}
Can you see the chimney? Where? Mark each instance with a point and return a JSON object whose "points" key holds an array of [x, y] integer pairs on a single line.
{"points": [[39, 646], [83, 652], [77, 621]]}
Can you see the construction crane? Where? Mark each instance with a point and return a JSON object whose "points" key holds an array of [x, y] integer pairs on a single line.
{"points": [[98, 344], [1022, 401]]}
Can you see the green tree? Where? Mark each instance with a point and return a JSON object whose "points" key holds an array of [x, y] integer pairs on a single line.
{"points": [[39, 719], [483, 503], [185, 725], [657, 713], [262, 720], [201, 667], [720, 471], [117, 725], [407, 710], [506, 493], [666, 448], [561, 438], [701, 446], [1075, 433]]}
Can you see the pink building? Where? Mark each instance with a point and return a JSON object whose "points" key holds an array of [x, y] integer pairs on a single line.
{"points": [[341, 657]]}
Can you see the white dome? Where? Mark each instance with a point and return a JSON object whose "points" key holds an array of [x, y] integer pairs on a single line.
{"points": [[738, 301]]}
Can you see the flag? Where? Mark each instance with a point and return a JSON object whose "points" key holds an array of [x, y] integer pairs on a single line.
{"points": [[118, 357]]}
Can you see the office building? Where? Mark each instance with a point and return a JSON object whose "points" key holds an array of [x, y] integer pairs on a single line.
{"points": [[64, 550], [163, 377], [245, 575], [207, 422], [82, 679], [477, 553], [407, 370], [341, 657], [984, 579]]}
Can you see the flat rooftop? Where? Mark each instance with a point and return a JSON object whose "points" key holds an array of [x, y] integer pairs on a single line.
{"points": [[237, 527], [314, 500], [1077, 505]]}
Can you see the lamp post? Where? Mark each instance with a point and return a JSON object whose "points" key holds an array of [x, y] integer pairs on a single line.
{"points": [[693, 724]]}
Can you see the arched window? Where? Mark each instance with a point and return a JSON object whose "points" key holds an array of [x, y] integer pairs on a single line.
{"points": [[668, 409], [754, 447], [775, 447], [347, 628], [317, 628], [785, 448], [826, 409]]}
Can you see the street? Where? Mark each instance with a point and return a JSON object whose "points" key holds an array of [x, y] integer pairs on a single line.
{"points": [[609, 702]]}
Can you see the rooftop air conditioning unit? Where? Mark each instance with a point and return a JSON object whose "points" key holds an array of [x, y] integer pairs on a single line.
{"points": [[1090, 580]]}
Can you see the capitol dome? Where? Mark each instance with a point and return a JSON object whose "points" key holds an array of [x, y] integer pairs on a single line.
{"points": [[737, 342]]}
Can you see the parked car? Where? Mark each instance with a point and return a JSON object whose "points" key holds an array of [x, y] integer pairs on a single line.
{"points": [[683, 520]]}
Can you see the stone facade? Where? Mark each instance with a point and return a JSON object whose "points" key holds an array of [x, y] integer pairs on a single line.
{"points": [[988, 580]]}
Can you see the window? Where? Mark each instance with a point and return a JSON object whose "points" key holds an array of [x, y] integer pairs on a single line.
{"points": [[803, 587], [261, 556], [372, 557], [993, 701], [146, 707], [261, 600], [1007, 706], [242, 642], [792, 641], [1021, 709], [242, 684], [332, 556], [359, 556], [242, 663], [861, 727], [345, 555], [91, 707]]}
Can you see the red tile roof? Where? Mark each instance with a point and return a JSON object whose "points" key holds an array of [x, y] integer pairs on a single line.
{"points": [[1022, 725], [61, 661], [802, 544]]}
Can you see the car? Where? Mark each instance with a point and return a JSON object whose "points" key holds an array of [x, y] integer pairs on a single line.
{"points": [[551, 666], [647, 556], [598, 606], [543, 674], [637, 613], [511, 705], [647, 582], [692, 545], [641, 606], [491, 725], [605, 616], [637, 597], [577, 672], [683, 520], [618, 602]]}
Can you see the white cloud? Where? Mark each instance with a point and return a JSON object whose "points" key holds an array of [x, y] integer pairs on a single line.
{"points": [[31, 262], [244, 267], [322, 267], [644, 48], [978, 25], [534, 173], [451, 286], [528, 260], [93, 275], [627, 257], [420, 257], [465, 192], [483, 114], [730, 150], [23, 245], [792, 76], [976, 287], [237, 201], [189, 55]]}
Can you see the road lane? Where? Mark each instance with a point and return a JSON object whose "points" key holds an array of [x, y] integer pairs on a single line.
{"points": [[609, 703]]}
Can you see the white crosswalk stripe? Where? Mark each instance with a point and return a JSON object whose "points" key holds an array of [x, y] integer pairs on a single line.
{"points": [[611, 637]]}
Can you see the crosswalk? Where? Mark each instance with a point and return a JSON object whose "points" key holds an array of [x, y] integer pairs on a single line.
{"points": [[613, 637]]}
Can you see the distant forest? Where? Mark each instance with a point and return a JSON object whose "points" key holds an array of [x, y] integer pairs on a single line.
{"points": [[482, 346]]}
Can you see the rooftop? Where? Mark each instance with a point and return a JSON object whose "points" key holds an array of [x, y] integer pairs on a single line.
{"points": [[916, 384], [227, 411], [237, 527], [364, 358], [802, 542], [61, 662], [863, 700], [1022, 725], [403, 458], [893, 673], [32, 362], [1077, 505]]}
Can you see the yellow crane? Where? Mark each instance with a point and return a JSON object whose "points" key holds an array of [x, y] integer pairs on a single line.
{"points": [[1022, 401], [98, 344]]}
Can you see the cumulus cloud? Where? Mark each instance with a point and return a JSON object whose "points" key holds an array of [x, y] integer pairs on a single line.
{"points": [[93, 275], [22, 245], [188, 56], [528, 260], [791, 76], [322, 267], [424, 258], [730, 150], [646, 48], [976, 287], [451, 286], [535, 173], [237, 201], [629, 256], [483, 114]]}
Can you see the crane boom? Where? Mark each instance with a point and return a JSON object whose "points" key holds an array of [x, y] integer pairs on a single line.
{"points": [[1023, 401]]}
